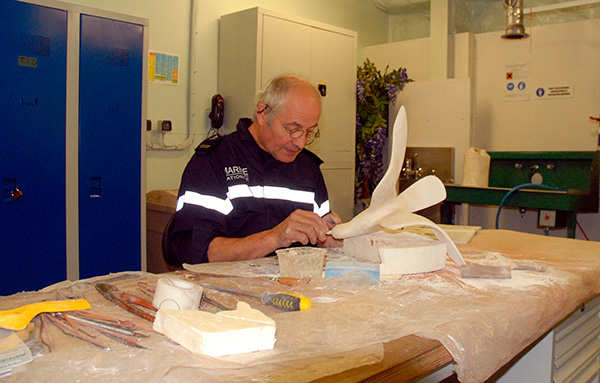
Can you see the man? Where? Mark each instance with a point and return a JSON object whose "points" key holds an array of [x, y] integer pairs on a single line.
{"points": [[251, 192]]}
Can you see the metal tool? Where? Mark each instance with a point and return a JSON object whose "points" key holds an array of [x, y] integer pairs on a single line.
{"points": [[495, 272], [74, 331], [280, 300], [287, 281], [214, 303], [126, 301]]}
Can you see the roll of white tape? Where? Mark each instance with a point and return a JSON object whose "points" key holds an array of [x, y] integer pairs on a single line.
{"points": [[176, 294]]}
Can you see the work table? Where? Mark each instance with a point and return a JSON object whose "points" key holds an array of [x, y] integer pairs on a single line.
{"points": [[357, 328]]}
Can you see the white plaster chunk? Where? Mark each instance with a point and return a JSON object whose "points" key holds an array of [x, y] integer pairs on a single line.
{"points": [[411, 258], [224, 333], [366, 247], [398, 253]]}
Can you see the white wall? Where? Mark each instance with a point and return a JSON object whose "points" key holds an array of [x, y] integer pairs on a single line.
{"points": [[559, 54], [170, 23]]}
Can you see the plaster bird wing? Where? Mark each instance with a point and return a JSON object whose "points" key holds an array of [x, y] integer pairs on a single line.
{"points": [[393, 212], [386, 189]]}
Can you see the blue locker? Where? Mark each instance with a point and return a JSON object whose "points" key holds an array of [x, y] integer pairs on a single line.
{"points": [[110, 114], [32, 148]]}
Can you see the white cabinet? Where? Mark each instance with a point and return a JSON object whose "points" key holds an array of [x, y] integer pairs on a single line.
{"points": [[256, 45]]}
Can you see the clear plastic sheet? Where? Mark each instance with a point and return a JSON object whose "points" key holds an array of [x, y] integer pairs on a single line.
{"points": [[483, 323]]}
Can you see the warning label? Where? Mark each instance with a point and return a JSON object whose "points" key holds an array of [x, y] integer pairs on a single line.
{"points": [[516, 71], [516, 75], [563, 91]]}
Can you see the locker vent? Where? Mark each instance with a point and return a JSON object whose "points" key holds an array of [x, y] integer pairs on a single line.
{"points": [[577, 346], [117, 56], [35, 45]]}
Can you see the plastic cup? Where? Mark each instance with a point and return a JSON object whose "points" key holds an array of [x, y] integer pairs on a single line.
{"points": [[301, 262]]}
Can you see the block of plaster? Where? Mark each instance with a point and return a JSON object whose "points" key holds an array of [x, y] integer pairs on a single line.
{"points": [[411, 258], [224, 333], [366, 247], [398, 253]]}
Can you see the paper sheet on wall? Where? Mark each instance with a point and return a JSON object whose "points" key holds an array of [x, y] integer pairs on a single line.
{"points": [[163, 68]]}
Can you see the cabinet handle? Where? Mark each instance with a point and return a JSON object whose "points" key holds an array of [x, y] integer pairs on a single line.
{"points": [[16, 194]]}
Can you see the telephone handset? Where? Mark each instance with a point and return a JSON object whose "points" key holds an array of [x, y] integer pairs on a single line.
{"points": [[216, 112]]}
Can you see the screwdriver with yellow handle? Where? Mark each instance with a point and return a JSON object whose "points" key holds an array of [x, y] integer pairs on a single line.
{"points": [[280, 300]]}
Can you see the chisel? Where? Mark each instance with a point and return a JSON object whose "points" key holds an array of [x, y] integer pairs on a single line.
{"points": [[281, 300]]}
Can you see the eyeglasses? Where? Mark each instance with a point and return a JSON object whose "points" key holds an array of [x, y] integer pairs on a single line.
{"points": [[297, 133]]}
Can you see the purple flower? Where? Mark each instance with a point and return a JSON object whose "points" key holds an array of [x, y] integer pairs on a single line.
{"points": [[392, 89], [360, 91], [375, 91]]}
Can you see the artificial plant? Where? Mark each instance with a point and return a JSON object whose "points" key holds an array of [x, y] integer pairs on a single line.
{"points": [[375, 91]]}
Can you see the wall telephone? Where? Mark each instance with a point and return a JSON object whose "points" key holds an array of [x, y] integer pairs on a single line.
{"points": [[216, 111]]}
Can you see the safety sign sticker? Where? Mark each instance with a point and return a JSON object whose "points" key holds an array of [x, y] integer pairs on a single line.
{"points": [[550, 92], [516, 71], [516, 76]]}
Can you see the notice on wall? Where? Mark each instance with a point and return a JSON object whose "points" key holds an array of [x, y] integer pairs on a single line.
{"points": [[163, 68], [551, 92], [516, 82]]}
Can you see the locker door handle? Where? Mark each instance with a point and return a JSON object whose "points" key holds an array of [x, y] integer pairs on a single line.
{"points": [[11, 190], [16, 194], [95, 187]]}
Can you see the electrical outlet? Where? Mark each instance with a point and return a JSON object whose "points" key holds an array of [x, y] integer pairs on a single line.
{"points": [[165, 125]]}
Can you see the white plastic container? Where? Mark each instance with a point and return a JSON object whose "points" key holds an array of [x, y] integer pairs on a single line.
{"points": [[301, 262]]}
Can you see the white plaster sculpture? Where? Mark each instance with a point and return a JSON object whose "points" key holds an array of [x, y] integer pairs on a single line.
{"points": [[390, 211], [224, 333]]}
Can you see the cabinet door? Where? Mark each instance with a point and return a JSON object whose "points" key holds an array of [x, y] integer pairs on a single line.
{"points": [[286, 48], [332, 63], [327, 58], [110, 114], [32, 100]]}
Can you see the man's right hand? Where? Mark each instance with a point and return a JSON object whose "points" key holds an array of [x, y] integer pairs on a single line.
{"points": [[301, 226]]}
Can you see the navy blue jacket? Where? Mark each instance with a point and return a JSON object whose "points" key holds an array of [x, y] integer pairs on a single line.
{"points": [[232, 188]]}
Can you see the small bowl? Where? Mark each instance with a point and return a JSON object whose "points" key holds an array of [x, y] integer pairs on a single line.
{"points": [[301, 262]]}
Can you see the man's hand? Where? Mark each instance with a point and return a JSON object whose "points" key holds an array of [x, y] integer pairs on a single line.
{"points": [[304, 226], [331, 219], [301, 226]]}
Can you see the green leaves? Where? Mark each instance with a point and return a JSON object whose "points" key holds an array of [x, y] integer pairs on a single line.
{"points": [[375, 91]]}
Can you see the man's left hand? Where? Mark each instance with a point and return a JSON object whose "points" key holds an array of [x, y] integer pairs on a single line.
{"points": [[331, 219]]}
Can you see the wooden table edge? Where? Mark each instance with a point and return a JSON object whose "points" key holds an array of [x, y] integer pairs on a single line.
{"points": [[405, 359]]}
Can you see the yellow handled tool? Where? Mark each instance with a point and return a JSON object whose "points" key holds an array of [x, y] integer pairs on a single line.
{"points": [[17, 319], [281, 300]]}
